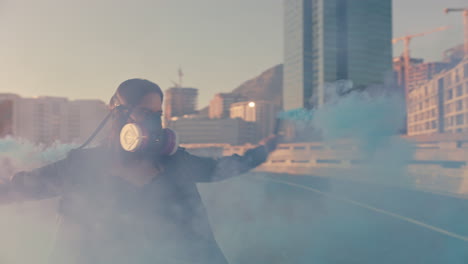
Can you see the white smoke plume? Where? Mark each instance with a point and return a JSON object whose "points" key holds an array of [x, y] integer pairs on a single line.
{"points": [[26, 228]]}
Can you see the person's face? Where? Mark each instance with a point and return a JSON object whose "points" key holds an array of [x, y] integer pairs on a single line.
{"points": [[150, 105]]}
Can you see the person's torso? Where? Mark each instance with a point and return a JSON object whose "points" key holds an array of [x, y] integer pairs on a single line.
{"points": [[115, 220]]}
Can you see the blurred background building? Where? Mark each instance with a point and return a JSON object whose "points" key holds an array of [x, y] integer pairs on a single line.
{"points": [[221, 103], [216, 131], [180, 101], [49, 119], [262, 113]]}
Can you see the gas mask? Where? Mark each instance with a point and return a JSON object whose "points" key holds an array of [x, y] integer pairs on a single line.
{"points": [[148, 136]]}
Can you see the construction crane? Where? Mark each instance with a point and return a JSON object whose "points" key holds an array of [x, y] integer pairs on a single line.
{"points": [[465, 25], [406, 51]]}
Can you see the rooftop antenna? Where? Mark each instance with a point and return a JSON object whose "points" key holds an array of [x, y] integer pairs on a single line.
{"points": [[181, 75]]}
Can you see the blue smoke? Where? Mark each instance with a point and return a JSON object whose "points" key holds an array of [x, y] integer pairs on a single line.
{"points": [[27, 153]]}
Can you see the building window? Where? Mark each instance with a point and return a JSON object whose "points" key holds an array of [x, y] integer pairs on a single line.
{"points": [[459, 105], [449, 94], [433, 125], [465, 70], [459, 119], [459, 90]]}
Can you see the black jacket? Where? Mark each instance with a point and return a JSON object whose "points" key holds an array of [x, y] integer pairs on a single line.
{"points": [[106, 219]]}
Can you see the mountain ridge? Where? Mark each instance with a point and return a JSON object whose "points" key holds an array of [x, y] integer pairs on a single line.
{"points": [[267, 86]]}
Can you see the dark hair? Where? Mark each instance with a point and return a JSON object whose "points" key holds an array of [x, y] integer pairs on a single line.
{"points": [[133, 90]]}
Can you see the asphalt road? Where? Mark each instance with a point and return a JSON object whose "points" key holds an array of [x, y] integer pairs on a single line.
{"points": [[274, 218]]}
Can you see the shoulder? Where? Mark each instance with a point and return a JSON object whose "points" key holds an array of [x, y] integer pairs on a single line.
{"points": [[180, 154], [183, 158]]}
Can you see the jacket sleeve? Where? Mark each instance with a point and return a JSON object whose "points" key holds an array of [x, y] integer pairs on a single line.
{"points": [[40, 183], [204, 169]]}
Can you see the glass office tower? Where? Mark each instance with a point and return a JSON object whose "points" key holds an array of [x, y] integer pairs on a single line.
{"points": [[329, 40]]}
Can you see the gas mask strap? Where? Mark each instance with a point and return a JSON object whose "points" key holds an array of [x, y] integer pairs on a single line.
{"points": [[101, 125]]}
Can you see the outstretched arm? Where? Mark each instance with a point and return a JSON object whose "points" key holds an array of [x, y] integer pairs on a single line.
{"points": [[203, 169], [41, 183]]}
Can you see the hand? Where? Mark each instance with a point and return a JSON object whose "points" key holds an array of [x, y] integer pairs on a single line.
{"points": [[270, 142]]}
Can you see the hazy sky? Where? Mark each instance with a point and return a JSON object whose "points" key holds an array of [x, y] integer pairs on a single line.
{"points": [[85, 48]]}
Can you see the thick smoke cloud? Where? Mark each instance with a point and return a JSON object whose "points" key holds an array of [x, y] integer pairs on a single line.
{"points": [[372, 124], [26, 228]]}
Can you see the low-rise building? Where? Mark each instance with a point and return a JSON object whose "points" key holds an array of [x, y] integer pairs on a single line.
{"points": [[200, 131], [441, 104]]}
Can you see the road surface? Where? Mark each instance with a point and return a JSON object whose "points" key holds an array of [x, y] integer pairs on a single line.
{"points": [[300, 219]]}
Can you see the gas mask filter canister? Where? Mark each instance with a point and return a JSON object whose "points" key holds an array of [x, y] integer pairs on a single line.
{"points": [[134, 137]]}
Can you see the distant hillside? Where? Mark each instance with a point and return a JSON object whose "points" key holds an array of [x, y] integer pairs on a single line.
{"points": [[266, 86]]}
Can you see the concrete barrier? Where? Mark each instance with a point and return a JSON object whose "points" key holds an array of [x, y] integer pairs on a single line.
{"points": [[440, 166]]}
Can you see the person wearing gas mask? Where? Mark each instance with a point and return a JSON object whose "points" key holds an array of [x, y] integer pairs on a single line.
{"points": [[133, 198]]}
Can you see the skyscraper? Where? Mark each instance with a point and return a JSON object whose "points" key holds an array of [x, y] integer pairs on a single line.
{"points": [[329, 40]]}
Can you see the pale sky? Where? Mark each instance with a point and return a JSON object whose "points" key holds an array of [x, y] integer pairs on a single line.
{"points": [[85, 48]]}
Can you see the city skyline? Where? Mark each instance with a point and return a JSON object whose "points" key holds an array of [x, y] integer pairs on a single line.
{"points": [[84, 50]]}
